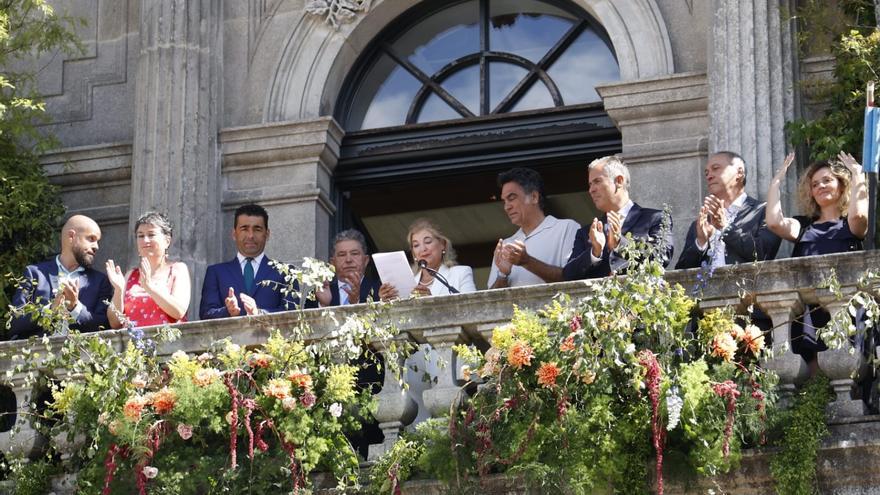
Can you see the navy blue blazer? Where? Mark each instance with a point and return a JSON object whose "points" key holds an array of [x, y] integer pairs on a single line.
{"points": [[642, 223], [746, 239], [369, 290], [94, 290], [220, 277]]}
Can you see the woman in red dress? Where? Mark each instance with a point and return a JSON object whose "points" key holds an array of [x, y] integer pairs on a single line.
{"points": [[157, 291]]}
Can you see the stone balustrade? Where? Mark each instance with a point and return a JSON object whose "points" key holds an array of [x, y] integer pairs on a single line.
{"points": [[779, 288]]}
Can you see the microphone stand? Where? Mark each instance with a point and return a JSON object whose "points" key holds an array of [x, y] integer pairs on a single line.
{"points": [[424, 266]]}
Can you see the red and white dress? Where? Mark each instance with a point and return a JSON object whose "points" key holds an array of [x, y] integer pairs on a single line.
{"points": [[140, 308]]}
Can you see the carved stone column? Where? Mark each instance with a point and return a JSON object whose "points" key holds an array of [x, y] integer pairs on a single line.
{"points": [[396, 408], [175, 163], [840, 365], [22, 440], [752, 67], [440, 397], [782, 308]]}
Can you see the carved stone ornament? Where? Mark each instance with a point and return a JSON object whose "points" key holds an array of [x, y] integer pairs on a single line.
{"points": [[336, 12]]}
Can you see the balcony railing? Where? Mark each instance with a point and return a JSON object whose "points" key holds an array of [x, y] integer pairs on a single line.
{"points": [[779, 288]]}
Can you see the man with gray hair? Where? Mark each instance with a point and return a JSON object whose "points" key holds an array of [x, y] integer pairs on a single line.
{"points": [[597, 247], [350, 259], [730, 226]]}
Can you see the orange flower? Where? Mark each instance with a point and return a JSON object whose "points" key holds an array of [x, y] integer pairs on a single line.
{"points": [[301, 380], [547, 374], [723, 346], [205, 376], [163, 400], [260, 360], [277, 388], [520, 354], [134, 407], [753, 338], [737, 332], [567, 345]]}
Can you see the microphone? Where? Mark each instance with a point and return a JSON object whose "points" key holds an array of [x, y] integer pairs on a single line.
{"points": [[424, 266]]}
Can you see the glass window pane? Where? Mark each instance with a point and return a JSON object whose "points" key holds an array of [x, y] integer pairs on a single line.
{"points": [[527, 29], [538, 96], [394, 89], [445, 36], [464, 85], [585, 64], [503, 77], [435, 109]]}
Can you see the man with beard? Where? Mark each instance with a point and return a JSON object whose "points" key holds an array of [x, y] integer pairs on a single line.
{"points": [[68, 282]]}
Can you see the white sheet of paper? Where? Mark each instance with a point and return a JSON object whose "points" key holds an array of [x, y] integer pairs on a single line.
{"points": [[395, 270]]}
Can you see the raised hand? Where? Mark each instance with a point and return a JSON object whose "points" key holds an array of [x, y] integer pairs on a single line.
{"points": [[352, 286], [716, 214], [70, 289], [615, 224], [515, 253], [597, 238], [146, 275], [503, 265], [250, 305], [232, 303], [789, 159], [115, 275], [705, 230], [850, 163]]}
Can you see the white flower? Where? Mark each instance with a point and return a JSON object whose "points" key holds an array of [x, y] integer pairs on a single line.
{"points": [[179, 355], [150, 472], [336, 409], [288, 403], [631, 348], [674, 404]]}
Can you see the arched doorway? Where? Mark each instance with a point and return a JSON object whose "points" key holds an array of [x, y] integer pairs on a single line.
{"points": [[450, 94]]}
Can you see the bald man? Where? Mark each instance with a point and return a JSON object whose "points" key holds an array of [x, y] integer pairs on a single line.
{"points": [[67, 281]]}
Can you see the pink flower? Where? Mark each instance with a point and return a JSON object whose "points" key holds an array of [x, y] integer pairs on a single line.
{"points": [[307, 400], [150, 472], [185, 431]]}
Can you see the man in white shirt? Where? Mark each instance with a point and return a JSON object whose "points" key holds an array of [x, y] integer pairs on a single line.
{"points": [[537, 251], [730, 226], [597, 247]]}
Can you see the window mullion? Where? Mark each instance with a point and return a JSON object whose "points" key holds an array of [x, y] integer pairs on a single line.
{"points": [[428, 81], [485, 80]]}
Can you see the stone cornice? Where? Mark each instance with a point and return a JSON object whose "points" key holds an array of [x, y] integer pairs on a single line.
{"points": [[282, 142]]}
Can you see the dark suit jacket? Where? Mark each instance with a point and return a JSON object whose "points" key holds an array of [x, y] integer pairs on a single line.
{"points": [[94, 289], [220, 277], [642, 223], [369, 290], [746, 239]]}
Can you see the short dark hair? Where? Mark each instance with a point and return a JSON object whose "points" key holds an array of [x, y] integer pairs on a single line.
{"points": [[530, 180], [350, 235], [156, 219], [736, 160], [251, 210]]}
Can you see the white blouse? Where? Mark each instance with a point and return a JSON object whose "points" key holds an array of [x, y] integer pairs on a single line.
{"points": [[459, 276]]}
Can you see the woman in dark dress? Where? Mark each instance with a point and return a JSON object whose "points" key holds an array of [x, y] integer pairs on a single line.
{"points": [[835, 198]]}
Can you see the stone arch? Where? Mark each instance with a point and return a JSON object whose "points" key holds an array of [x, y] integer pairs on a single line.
{"points": [[316, 58]]}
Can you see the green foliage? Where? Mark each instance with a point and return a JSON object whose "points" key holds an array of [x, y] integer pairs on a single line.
{"points": [[33, 478], [794, 466], [568, 394], [29, 206]]}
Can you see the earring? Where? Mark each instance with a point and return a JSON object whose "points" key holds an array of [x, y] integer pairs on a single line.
{"points": [[443, 253]]}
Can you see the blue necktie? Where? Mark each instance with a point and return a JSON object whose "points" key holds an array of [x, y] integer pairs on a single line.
{"points": [[248, 275]]}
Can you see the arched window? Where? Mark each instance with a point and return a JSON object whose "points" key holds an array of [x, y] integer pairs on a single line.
{"points": [[477, 58], [453, 92]]}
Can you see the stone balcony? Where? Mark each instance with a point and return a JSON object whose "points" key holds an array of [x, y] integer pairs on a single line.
{"points": [[779, 288]]}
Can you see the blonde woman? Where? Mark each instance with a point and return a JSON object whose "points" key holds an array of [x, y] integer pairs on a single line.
{"points": [[835, 199], [158, 290], [429, 245]]}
